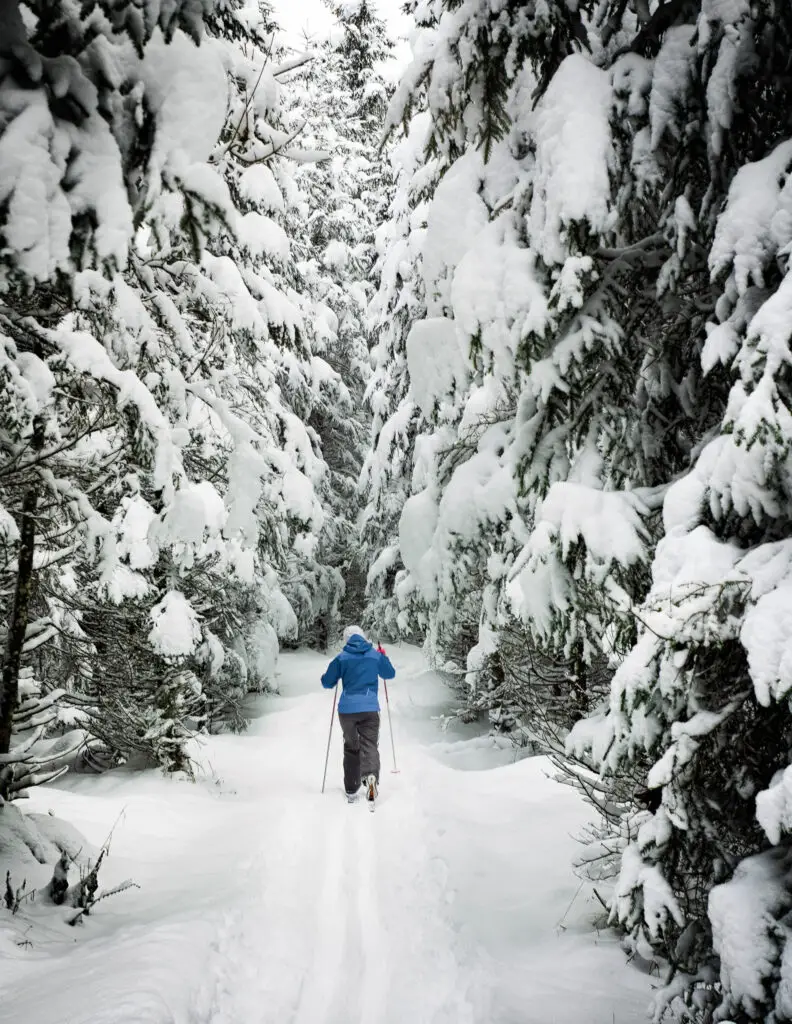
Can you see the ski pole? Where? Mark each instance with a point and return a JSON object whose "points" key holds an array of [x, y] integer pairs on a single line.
{"points": [[390, 725], [329, 737]]}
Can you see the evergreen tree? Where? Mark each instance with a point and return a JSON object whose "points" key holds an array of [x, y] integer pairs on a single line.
{"points": [[342, 99], [602, 428], [157, 473], [389, 464], [75, 141]]}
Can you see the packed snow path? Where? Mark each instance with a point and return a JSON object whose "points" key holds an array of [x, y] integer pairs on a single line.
{"points": [[264, 902]]}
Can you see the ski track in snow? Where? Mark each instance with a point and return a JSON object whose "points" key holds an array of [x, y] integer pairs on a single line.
{"points": [[345, 922], [287, 906], [313, 946], [375, 990], [318, 997]]}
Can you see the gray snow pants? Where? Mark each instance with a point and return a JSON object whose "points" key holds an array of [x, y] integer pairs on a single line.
{"points": [[361, 756]]}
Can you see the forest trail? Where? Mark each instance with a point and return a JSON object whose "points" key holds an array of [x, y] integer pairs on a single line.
{"points": [[265, 902]]}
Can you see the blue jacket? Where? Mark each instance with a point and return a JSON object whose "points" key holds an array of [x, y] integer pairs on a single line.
{"points": [[358, 667]]}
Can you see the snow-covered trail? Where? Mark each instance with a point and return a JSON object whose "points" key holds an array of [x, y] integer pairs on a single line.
{"points": [[343, 924], [265, 902]]}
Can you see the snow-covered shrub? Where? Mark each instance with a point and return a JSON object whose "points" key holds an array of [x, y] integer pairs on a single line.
{"points": [[38, 852]]}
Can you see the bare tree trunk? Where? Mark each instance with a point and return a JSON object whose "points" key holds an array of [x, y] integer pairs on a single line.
{"points": [[18, 621]]}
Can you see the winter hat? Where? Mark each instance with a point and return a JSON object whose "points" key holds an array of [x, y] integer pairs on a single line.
{"points": [[353, 631]]}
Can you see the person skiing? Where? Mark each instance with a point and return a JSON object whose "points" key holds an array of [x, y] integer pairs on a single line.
{"points": [[359, 667]]}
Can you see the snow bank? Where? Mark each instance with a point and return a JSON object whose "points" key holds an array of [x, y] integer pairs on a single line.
{"points": [[31, 841]]}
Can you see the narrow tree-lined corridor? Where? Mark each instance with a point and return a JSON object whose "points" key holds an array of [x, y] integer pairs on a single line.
{"points": [[478, 338]]}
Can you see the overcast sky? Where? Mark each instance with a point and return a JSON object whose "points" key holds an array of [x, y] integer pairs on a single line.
{"points": [[298, 16]]}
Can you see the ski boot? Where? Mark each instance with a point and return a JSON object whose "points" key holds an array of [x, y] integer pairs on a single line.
{"points": [[370, 782]]}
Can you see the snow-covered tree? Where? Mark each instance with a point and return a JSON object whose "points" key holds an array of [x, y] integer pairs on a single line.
{"points": [[342, 97], [157, 475], [388, 468], [601, 447], [542, 275], [77, 131], [701, 698]]}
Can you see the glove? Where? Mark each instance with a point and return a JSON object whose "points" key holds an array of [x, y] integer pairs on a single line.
{"points": [[381, 649]]}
